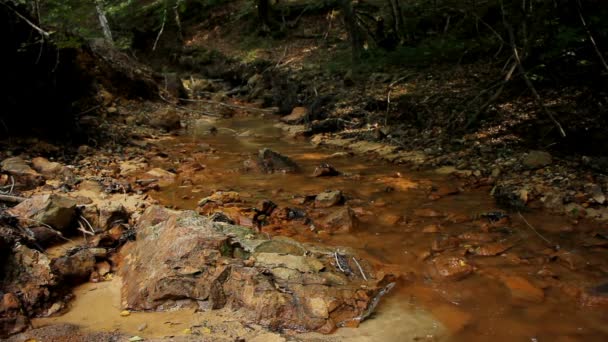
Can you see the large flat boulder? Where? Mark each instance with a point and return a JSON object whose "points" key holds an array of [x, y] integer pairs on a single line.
{"points": [[184, 259]]}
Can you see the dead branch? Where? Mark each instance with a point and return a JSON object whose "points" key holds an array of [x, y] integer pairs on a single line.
{"points": [[597, 50], [11, 199], [360, 269], [34, 26], [522, 70], [388, 96], [160, 32]]}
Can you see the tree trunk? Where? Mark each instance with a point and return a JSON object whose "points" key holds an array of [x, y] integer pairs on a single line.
{"points": [[103, 21], [263, 14], [353, 30]]}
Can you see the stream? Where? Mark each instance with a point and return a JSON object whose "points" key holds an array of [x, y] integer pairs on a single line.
{"points": [[399, 226]]}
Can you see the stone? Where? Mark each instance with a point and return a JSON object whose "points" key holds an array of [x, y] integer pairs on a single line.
{"points": [[597, 194], [103, 268], [270, 161], [9, 302], [76, 267], [221, 198], [537, 159], [427, 213], [48, 168], [492, 249], [522, 291], [54, 210], [325, 170], [302, 264], [298, 114], [451, 267], [28, 272], [596, 296], [23, 174], [167, 119], [342, 220], [164, 177], [181, 259], [112, 213], [431, 228], [281, 247], [46, 236], [328, 199]]}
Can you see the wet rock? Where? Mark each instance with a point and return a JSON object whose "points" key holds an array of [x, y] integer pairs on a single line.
{"points": [[325, 170], [451, 267], [76, 267], [167, 119], [24, 175], [298, 115], [270, 161], [342, 220], [571, 259], [186, 258], [164, 177], [54, 210], [596, 296], [537, 159], [492, 249], [329, 199], [443, 191], [509, 197], [428, 212], [431, 228], [522, 291]]}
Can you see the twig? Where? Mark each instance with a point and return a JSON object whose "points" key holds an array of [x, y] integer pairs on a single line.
{"points": [[338, 262], [88, 223], [41, 31], [162, 28], [388, 96], [83, 230], [10, 191], [12, 199], [536, 231], [360, 269], [597, 50]]}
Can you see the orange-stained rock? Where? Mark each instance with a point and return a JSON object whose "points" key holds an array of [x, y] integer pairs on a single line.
{"points": [[187, 258]]}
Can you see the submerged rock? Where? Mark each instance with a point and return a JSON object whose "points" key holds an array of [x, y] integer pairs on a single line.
{"points": [[270, 161], [325, 170], [328, 199], [185, 259]]}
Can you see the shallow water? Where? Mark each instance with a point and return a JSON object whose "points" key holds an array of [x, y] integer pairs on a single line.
{"points": [[477, 308]]}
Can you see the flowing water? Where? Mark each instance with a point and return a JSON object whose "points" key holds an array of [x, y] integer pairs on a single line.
{"points": [[386, 197]]}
